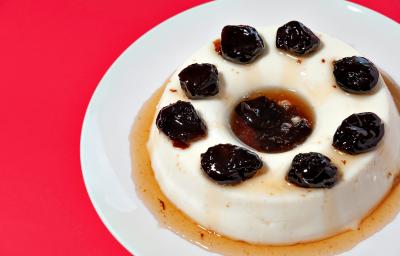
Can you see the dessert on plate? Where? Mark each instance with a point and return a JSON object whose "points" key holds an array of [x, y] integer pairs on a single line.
{"points": [[276, 135]]}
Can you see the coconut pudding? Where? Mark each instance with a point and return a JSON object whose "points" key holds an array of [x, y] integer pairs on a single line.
{"points": [[276, 136]]}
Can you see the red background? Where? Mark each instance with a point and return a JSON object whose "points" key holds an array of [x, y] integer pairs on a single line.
{"points": [[52, 55]]}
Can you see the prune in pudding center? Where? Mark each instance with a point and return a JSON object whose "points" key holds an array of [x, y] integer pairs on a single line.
{"points": [[272, 121]]}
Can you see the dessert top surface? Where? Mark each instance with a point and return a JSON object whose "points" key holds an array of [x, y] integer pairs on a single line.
{"points": [[310, 76], [263, 207]]}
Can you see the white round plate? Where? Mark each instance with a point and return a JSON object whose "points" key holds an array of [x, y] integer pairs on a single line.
{"points": [[148, 62]]}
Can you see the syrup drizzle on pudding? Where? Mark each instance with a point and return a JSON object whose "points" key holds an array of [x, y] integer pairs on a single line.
{"points": [[172, 218]]}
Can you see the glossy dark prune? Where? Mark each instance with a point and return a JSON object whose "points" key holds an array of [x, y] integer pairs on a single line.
{"points": [[260, 113], [199, 80], [181, 123], [241, 44], [359, 133], [229, 164], [355, 74], [267, 126], [296, 38], [312, 170], [285, 137]]}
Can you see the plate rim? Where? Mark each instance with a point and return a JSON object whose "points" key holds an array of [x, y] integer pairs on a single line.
{"points": [[84, 128], [85, 121]]}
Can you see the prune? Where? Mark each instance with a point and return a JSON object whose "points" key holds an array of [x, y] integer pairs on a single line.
{"points": [[181, 123], [359, 133], [241, 44], [260, 113], [199, 80], [269, 127], [312, 170], [296, 38], [355, 74], [229, 164]]}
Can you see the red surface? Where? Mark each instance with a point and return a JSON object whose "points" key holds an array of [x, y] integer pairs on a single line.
{"points": [[52, 55]]}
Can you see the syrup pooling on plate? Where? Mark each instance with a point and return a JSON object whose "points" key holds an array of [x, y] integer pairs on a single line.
{"points": [[170, 217]]}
